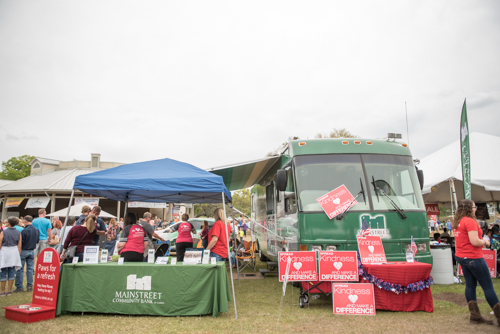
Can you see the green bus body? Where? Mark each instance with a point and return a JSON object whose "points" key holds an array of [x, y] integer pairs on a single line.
{"points": [[292, 220]]}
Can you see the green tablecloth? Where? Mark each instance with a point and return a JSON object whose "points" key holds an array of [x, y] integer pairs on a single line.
{"points": [[143, 288]]}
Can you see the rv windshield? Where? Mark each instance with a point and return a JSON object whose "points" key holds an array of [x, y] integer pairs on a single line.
{"points": [[317, 175], [395, 175]]}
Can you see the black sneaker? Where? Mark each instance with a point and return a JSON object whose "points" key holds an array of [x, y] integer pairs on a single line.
{"points": [[29, 289], [17, 290]]}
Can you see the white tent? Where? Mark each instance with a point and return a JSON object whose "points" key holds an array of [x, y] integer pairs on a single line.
{"points": [[76, 210], [446, 163]]}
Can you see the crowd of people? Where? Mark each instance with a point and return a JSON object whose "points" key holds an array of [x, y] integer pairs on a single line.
{"points": [[23, 239]]}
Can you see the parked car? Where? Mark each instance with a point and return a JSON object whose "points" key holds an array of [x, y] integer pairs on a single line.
{"points": [[172, 237]]}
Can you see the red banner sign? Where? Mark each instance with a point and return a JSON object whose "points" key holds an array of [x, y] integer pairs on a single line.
{"points": [[336, 201], [302, 268], [353, 298], [371, 249], [46, 278], [432, 209], [490, 256], [338, 266]]}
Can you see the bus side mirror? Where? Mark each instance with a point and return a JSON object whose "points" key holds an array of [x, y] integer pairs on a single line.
{"points": [[420, 175], [281, 179]]}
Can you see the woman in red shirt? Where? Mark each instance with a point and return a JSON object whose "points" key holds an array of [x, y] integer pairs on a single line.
{"points": [[184, 238], [469, 244], [132, 240], [217, 236]]}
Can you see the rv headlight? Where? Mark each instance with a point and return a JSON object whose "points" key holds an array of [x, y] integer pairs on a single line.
{"points": [[316, 248], [331, 248]]}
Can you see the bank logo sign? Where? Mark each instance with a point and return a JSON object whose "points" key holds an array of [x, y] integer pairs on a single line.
{"points": [[138, 291], [134, 283], [377, 225]]}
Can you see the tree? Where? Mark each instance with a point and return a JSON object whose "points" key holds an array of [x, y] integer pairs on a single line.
{"points": [[336, 133], [280, 148], [241, 201], [205, 210], [16, 168]]}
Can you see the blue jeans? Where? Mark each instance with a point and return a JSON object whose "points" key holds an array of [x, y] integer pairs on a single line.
{"points": [[28, 257], [7, 274], [476, 270], [110, 246], [232, 258], [217, 257]]}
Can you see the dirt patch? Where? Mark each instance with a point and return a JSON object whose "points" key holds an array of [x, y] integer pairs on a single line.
{"points": [[455, 298]]}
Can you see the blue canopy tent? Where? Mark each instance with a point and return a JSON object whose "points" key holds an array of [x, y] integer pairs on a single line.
{"points": [[158, 181]]}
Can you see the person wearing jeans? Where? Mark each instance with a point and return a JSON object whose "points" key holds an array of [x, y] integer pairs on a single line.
{"points": [[469, 243], [30, 237]]}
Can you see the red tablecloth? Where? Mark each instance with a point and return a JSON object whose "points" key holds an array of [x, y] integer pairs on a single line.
{"points": [[401, 273]]}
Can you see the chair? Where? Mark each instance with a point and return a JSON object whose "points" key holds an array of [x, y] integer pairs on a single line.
{"points": [[246, 259]]}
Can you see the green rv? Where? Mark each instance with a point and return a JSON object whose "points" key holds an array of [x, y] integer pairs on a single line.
{"points": [[380, 174]]}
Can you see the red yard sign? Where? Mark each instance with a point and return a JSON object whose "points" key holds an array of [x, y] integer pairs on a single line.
{"points": [[490, 256], [432, 209], [303, 266], [339, 266], [336, 201], [371, 249], [353, 298]]}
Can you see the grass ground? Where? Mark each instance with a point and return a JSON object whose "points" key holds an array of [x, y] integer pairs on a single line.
{"points": [[258, 304]]}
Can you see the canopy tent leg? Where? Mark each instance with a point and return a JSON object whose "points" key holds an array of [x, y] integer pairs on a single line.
{"points": [[230, 267], [66, 221], [453, 197], [235, 248], [125, 212]]}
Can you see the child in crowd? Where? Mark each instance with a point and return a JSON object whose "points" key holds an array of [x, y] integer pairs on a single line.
{"points": [[244, 226], [10, 250], [241, 234]]}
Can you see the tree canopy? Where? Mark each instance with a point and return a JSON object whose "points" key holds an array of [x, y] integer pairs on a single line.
{"points": [[16, 168], [336, 133], [241, 201]]}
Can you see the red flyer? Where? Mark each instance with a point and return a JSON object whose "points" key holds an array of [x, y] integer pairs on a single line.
{"points": [[371, 249], [490, 256], [336, 201], [338, 266], [353, 298], [302, 268]]}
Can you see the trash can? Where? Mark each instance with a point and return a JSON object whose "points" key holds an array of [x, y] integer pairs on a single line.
{"points": [[442, 268]]}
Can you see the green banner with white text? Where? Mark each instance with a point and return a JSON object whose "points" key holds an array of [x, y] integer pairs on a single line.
{"points": [[465, 152]]}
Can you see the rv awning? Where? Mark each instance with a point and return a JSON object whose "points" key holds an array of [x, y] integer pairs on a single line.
{"points": [[245, 174]]}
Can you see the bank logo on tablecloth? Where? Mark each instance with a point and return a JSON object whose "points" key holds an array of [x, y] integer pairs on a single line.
{"points": [[377, 225], [140, 294], [134, 283]]}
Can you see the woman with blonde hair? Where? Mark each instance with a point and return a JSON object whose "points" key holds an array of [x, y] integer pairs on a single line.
{"points": [[111, 236], [469, 244], [80, 236], [217, 236]]}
